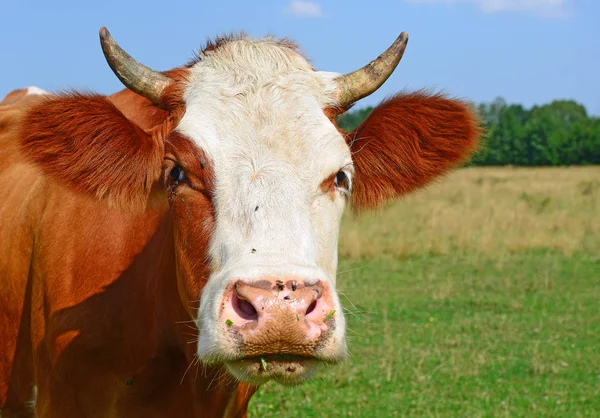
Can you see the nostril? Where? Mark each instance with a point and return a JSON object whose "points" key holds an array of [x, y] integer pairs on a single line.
{"points": [[244, 308], [311, 307], [247, 308]]}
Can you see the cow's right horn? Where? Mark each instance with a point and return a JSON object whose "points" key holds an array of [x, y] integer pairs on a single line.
{"points": [[364, 81], [134, 75]]}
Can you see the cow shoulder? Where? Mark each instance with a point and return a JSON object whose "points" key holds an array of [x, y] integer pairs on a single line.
{"points": [[18, 94]]}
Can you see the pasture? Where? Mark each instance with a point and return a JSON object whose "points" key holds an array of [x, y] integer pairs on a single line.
{"points": [[479, 296]]}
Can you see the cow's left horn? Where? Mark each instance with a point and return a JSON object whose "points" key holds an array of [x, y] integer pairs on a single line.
{"points": [[134, 75], [364, 81]]}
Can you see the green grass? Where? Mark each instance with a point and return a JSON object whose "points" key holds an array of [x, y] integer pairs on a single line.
{"points": [[460, 336], [476, 297]]}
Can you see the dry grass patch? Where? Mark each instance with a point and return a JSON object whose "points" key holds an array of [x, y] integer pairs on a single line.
{"points": [[488, 211]]}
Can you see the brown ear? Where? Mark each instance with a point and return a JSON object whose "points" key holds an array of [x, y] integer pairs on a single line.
{"points": [[87, 144], [407, 141]]}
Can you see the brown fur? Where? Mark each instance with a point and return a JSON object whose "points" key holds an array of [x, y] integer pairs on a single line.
{"points": [[85, 142], [407, 141], [138, 109], [13, 96], [192, 202], [93, 310]]}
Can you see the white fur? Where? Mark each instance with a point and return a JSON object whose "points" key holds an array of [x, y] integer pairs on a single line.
{"points": [[256, 109], [33, 90]]}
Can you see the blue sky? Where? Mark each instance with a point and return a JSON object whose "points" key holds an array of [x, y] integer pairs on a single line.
{"points": [[528, 51]]}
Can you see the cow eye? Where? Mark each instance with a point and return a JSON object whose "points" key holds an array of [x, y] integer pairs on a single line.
{"points": [[177, 174], [342, 180]]}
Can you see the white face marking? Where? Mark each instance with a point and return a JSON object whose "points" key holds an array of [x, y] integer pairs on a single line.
{"points": [[256, 109]]}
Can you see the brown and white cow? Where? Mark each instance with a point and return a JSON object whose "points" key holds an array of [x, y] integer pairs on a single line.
{"points": [[154, 245]]}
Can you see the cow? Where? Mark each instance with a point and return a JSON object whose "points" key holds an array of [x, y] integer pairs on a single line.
{"points": [[168, 249], [16, 95]]}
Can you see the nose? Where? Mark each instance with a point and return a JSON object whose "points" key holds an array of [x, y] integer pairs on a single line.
{"points": [[283, 316], [257, 301]]}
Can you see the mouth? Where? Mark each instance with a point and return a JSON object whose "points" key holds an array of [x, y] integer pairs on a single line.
{"points": [[288, 370]]}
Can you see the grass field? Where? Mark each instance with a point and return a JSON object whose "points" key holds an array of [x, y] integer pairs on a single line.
{"points": [[479, 296]]}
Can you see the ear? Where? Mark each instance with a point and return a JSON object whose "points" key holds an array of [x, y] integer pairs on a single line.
{"points": [[87, 144], [406, 142]]}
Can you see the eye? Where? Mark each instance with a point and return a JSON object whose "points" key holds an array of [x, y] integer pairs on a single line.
{"points": [[342, 180], [177, 175]]}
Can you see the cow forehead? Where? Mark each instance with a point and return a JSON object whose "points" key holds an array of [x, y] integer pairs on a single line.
{"points": [[251, 103]]}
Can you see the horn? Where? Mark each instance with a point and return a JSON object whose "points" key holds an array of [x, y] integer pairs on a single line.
{"points": [[364, 81], [134, 75]]}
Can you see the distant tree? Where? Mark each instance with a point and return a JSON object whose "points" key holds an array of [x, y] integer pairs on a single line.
{"points": [[590, 142], [551, 130], [490, 112], [506, 137], [352, 119]]}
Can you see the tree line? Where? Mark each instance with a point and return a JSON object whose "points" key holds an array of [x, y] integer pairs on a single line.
{"points": [[558, 133]]}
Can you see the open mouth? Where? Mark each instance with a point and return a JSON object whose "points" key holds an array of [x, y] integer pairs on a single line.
{"points": [[283, 368]]}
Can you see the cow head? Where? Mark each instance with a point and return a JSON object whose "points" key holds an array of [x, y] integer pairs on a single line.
{"points": [[256, 175]]}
